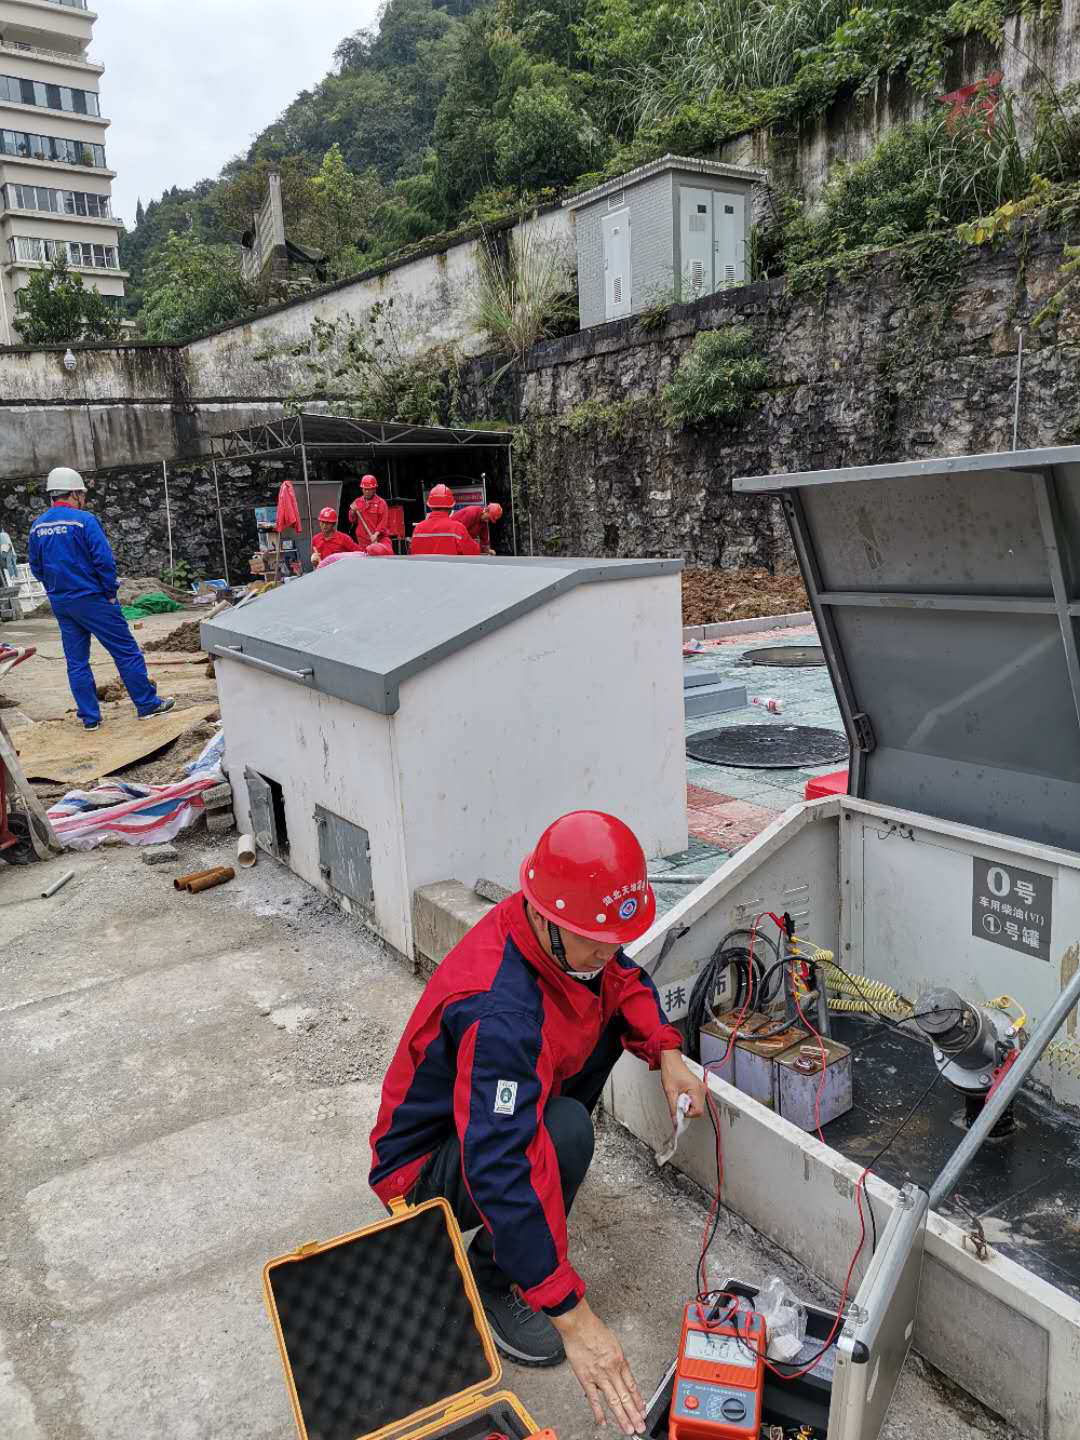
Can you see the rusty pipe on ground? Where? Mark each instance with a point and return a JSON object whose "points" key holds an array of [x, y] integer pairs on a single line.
{"points": [[183, 882], [208, 882]]}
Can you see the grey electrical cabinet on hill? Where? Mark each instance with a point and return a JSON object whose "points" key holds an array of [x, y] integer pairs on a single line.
{"points": [[671, 231]]}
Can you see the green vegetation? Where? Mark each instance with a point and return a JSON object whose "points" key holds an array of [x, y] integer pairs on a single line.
{"points": [[926, 178], [608, 419], [365, 368], [717, 380], [457, 112], [56, 308], [191, 287], [521, 294]]}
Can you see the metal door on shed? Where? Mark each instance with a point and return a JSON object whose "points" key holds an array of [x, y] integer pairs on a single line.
{"points": [[729, 239], [615, 229], [696, 237]]}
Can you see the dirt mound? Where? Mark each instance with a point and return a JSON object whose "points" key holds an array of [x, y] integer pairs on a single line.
{"points": [[111, 690], [185, 639], [709, 596], [131, 587]]}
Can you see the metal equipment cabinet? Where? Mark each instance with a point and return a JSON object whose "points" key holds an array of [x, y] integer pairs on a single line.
{"points": [[391, 725], [673, 230], [947, 597]]}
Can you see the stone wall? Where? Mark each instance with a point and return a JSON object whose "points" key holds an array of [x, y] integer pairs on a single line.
{"points": [[913, 356], [131, 506]]}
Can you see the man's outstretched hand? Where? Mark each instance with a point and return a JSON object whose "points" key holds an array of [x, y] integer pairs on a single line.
{"points": [[597, 1360], [678, 1079]]}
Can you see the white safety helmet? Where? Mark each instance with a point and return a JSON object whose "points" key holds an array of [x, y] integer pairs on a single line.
{"points": [[62, 481]]}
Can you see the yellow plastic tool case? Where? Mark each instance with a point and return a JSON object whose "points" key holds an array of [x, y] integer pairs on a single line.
{"points": [[382, 1334]]}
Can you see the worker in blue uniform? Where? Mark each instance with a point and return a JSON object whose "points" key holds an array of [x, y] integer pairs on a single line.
{"points": [[71, 557]]}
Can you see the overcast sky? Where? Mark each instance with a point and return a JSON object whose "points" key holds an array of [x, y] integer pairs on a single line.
{"points": [[188, 84]]}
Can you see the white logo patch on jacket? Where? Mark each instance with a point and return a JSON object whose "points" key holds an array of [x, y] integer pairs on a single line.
{"points": [[506, 1097]]}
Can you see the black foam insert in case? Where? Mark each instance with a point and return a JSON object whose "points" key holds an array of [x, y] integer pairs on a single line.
{"points": [[380, 1326], [788, 1403]]}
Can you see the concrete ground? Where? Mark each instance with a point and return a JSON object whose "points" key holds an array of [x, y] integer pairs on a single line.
{"points": [[187, 1086], [38, 688]]}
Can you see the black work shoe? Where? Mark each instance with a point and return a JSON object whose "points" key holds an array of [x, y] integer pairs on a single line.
{"points": [[161, 708], [91, 725], [521, 1333]]}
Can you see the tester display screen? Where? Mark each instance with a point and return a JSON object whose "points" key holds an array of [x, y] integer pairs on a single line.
{"points": [[720, 1349]]}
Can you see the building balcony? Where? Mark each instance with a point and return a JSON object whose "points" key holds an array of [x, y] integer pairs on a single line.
{"points": [[26, 252], [32, 96], [50, 203], [52, 57], [50, 149], [47, 22]]}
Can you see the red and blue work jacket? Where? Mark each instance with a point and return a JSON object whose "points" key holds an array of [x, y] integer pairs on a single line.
{"points": [[499, 1029]]}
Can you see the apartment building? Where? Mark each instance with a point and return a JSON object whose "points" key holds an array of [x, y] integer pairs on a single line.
{"points": [[55, 183]]}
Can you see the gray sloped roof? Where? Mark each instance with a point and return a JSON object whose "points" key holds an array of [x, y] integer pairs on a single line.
{"points": [[362, 626]]}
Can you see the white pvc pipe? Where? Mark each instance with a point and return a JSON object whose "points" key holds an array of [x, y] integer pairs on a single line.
{"points": [[245, 851]]}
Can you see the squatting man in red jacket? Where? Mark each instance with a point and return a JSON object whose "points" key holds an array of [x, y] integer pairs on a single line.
{"points": [[489, 1098]]}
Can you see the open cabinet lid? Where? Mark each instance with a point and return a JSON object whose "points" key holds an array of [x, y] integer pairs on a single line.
{"points": [[383, 1329], [947, 594]]}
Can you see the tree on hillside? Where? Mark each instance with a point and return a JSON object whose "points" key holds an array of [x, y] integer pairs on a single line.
{"points": [[341, 213], [192, 287], [57, 308]]}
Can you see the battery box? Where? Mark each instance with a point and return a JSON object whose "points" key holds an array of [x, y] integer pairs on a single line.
{"points": [[787, 1403], [382, 1333]]}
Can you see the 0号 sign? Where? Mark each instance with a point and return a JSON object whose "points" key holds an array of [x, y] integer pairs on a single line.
{"points": [[1012, 907]]}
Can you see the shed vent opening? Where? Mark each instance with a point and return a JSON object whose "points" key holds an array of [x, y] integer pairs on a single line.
{"points": [[729, 209], [697, 224], [268, 821], [615, 201], [281, 825], [616, 290]]}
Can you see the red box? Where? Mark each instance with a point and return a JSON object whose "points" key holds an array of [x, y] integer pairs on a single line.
{"points": [[834, 784]]}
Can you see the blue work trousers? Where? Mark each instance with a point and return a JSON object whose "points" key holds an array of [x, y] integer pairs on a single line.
{"points": [[101, 619]]}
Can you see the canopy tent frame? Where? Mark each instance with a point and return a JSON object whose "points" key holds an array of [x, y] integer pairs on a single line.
{"points": [[309, 435]]}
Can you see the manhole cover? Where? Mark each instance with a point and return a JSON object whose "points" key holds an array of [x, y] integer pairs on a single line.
{"points": [[790, 656], [768, 747]]}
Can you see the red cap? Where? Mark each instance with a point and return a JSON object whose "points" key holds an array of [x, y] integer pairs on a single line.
{"points": [[588, 875], [441, 497], [328, 514], [369, 483], [494, 511], [378, 548]]}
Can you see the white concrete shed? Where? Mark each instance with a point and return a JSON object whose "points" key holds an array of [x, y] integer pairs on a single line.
{"points": [[390, 725]]}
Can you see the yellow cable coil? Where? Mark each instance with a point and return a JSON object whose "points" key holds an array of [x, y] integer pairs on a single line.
{"points": [[859, 995]]}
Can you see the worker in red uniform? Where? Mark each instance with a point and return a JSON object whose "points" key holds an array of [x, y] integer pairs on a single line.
{"points": [[477, 520], [369, 514], [489, 1098], [442, 533], [330, 540]]}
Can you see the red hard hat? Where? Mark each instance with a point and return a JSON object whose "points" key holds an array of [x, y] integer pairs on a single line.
{"points": [[441, 497], [328, 514], [378, 548], [369, 483], [588, 875], [494, 511]]}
